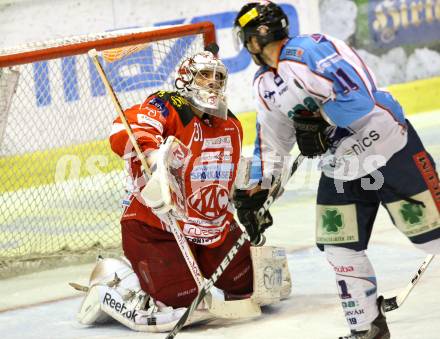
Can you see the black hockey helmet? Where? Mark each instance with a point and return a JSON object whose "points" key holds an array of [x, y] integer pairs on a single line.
{"points": [[265, 20]]}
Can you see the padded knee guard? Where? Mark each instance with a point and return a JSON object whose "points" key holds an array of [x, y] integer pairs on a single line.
{"points": [[356, 282]]}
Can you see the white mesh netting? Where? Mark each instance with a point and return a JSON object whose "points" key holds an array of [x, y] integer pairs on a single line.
{"points": [[60, 184]]}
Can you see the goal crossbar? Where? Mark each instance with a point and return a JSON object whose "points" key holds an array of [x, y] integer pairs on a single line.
{"points": [[205, 28]]}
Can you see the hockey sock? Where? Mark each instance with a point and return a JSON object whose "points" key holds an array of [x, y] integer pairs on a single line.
{"points": [[357, 287]]}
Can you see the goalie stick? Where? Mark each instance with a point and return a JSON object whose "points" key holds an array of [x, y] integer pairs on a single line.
{"points": [[231, 254], [177, 232], [393, 303]]}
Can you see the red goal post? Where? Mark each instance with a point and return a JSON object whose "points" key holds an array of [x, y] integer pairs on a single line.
{"points": [[60, 185]]}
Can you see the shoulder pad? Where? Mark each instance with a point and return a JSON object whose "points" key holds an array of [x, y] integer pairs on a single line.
{"points": [[293, 50], [178, 102]]}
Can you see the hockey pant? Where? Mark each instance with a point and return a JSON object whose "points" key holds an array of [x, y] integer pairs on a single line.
{"points": [[163, 272]]}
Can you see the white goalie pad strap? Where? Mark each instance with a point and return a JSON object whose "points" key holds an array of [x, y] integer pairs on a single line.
{"points": [[235, 309], [272, 281]]}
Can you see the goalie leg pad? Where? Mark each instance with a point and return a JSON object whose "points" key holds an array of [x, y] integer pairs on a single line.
{"points": [[90, 311], [272, 281], [111, 272], [114, 292], [128, 310]]}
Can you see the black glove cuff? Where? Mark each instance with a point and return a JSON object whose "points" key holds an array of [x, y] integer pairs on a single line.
{"points": [[242, 199]]}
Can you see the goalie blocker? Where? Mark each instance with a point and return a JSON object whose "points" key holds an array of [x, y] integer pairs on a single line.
{"points": [[114, 292]]}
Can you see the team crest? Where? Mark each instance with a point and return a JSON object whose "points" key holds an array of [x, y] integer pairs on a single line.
{"points": [[209, 201]]}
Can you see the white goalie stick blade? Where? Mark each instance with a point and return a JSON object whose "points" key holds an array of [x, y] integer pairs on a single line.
{"points": [[393, 303], [232, 309]]}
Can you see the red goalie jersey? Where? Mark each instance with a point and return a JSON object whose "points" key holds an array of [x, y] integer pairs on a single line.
{"points": [[208, 180]]}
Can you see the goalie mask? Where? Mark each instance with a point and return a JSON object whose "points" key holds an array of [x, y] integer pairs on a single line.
{"points": [[202, 80]]}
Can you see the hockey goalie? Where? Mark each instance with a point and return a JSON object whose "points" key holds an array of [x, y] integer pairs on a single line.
{"points": [[192, 144]]}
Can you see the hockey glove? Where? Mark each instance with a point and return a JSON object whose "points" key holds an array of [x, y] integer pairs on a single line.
{"points": [[247, 211], [310, 135]]}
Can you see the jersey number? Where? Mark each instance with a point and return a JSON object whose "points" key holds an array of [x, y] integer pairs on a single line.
{"points": [[198, 135], [345, 81], [344, 290]]}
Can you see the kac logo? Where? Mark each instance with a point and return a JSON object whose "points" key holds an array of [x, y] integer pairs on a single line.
{"points": [[209, 201]]}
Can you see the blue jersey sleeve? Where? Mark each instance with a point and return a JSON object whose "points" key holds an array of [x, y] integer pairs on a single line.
{"points": [[351, 85]]}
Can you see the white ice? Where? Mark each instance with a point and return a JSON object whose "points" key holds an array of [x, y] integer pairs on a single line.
{"points": [[31, 306]]}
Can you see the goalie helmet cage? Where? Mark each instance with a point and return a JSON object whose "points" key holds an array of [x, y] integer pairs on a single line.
{"points": [[61, 186]]}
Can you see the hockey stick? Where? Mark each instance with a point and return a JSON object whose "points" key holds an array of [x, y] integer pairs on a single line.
{"points": [[274, 194], [393, 303], [177, 232], [277, 190], [230, 255]]}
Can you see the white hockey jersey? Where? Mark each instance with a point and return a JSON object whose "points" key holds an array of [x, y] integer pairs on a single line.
{"points": [[320, 73]]}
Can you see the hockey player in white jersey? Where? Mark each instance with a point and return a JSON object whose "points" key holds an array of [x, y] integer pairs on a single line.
{"points": [[316, 91]]}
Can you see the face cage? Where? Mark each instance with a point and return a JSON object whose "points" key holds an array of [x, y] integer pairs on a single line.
{"points": [[219, 85], [208, 100]]}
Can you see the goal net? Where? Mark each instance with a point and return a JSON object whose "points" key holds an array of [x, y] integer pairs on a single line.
{"points": [[60, 185]]}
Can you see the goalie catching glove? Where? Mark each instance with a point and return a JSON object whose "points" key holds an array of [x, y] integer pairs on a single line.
{"points": [[310, 133], [247, 211]]}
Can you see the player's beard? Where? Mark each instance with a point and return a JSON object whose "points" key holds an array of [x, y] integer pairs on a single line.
{"points": [[258, 59]]}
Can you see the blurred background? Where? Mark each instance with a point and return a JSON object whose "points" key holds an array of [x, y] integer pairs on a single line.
{"points": [[398, 39]]}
